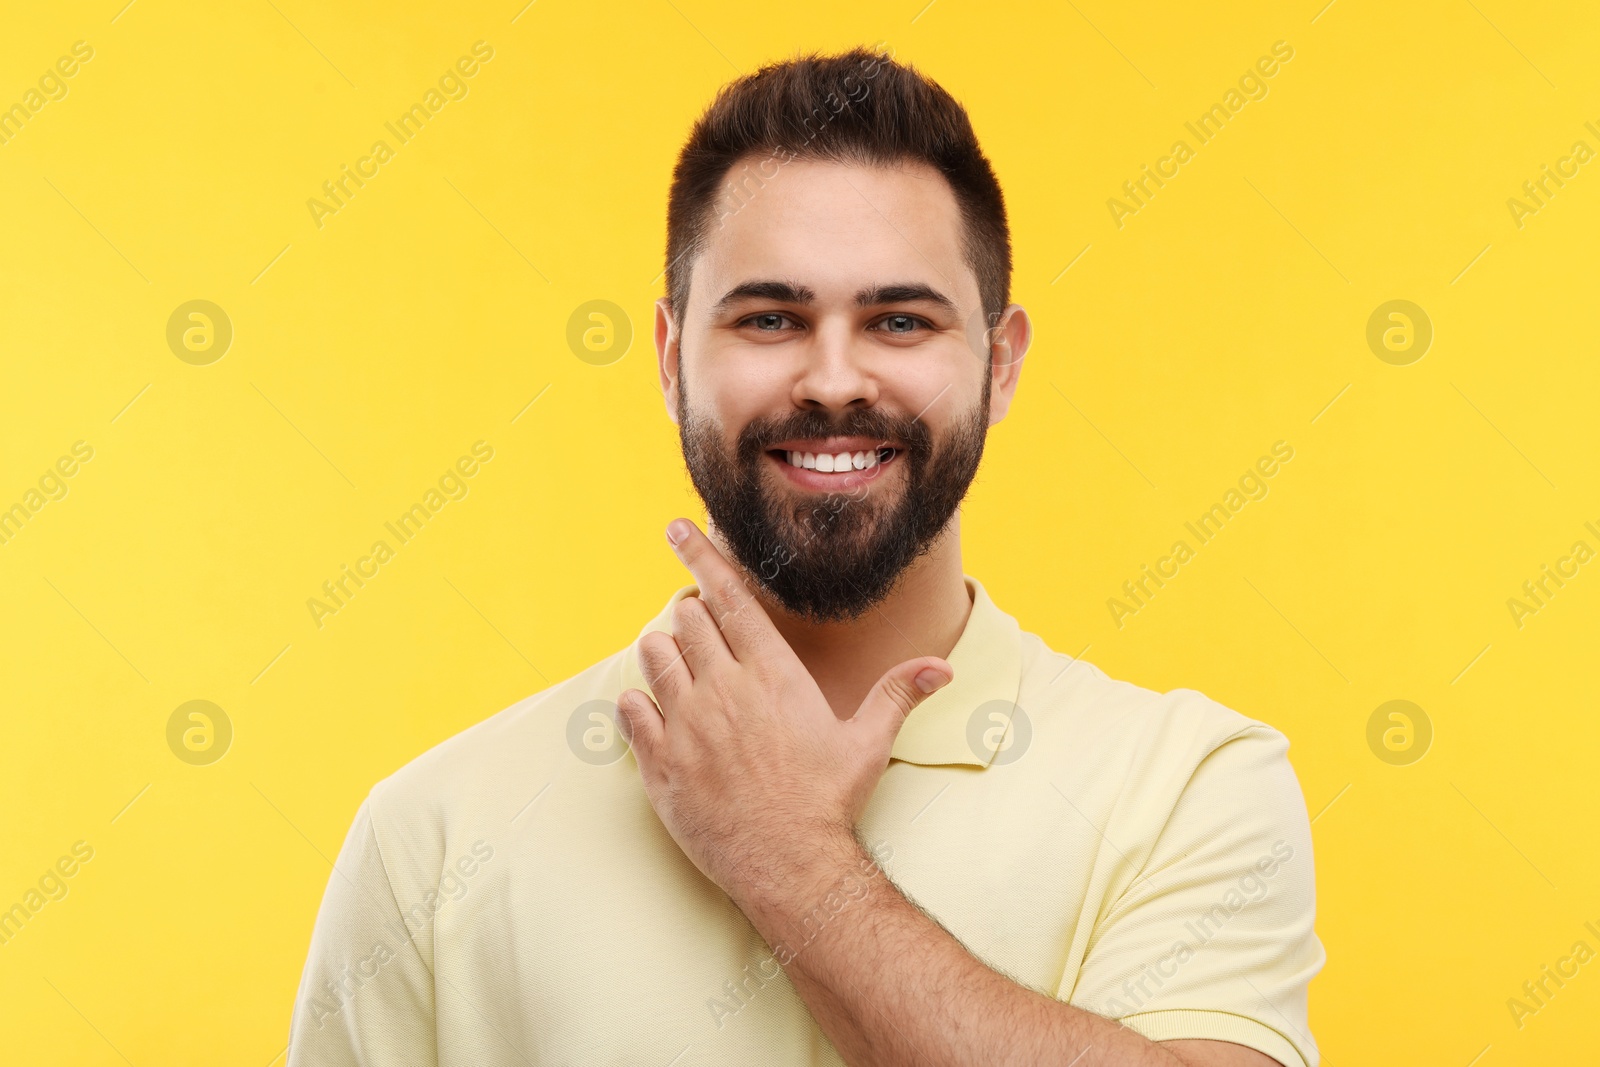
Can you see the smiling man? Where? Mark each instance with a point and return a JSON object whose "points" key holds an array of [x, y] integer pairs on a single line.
{"points": [[834, 805]]}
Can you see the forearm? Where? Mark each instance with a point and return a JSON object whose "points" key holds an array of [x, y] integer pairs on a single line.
{"points": [[891, 987]]}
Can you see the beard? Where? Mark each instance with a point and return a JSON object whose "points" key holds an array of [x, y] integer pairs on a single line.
{"points": [[830, 557]]}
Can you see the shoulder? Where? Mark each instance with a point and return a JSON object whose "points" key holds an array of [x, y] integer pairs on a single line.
{"points": [[451, 808], [501, 761], [1169, 729], [1158, 765]]}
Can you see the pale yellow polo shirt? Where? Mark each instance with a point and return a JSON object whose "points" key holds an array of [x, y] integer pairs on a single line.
{"points": [[510, 897]]}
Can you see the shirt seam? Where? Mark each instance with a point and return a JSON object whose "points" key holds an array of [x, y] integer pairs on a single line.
{"points": [[1169, 1012], [1127, 903], [388, 881]]}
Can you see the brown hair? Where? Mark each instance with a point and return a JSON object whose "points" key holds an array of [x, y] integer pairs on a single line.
{"points": [[858, 107]]}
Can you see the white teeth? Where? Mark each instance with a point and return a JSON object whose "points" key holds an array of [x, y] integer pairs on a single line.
{"points": [[835, 461]]}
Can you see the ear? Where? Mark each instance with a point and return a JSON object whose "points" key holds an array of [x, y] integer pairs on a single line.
{"points": [[667, 356], [1010, 340]]}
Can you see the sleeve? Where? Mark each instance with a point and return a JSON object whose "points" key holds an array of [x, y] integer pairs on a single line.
{"points": [[366, 995], [1213, 939]]}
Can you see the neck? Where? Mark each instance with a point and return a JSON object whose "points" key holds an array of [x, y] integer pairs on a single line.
{"points": [[923, 616]]}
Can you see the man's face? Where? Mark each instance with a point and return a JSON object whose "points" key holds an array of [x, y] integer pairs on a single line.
{"points": [[831, 379]]}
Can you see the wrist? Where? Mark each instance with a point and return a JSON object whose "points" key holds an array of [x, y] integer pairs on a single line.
{"points": [[812, 884]]}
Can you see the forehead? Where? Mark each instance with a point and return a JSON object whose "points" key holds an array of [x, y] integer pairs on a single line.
{"points": [[836, 228]]}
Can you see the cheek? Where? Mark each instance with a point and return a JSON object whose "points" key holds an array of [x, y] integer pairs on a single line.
{"points": [[937, 390], [741, 387]]}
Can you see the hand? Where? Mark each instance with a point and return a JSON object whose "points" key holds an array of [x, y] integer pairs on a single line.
{"points": [[745, 763]]}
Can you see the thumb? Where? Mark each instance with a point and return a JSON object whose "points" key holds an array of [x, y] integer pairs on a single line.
{"points": [[899, 691]]}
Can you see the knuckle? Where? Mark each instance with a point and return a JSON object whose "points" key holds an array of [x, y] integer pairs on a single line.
{"points": [[726, 693], [729, 596], [769, 674], [693, 611], [757, 638], [693, 628], [657, 652], [900, 692]]}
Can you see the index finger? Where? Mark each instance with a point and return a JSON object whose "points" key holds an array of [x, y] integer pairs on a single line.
{"points": [[740, 616]]}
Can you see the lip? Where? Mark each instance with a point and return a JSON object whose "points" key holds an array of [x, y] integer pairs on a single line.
{"points": [[832, 481]]}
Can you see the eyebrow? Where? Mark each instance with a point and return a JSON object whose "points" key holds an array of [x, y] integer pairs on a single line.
{"points": [[794, 293]]}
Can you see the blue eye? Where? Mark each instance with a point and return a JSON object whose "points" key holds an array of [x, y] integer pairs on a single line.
{"points": [[910, 321], [777, 322]]}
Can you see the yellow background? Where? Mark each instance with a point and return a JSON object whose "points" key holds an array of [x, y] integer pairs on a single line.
{"points": [[427, 314]]}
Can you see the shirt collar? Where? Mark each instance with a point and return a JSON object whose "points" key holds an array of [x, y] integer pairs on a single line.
{"points": [[955, 725]]}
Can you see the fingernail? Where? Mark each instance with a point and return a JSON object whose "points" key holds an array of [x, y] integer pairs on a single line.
{"points": [[929, 679], [677, 530]]}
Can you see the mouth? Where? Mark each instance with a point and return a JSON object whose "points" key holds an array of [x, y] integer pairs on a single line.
{"points": [[833, 463]]}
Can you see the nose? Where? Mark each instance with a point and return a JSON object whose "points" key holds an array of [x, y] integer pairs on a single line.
{"points": [[836, 373]]}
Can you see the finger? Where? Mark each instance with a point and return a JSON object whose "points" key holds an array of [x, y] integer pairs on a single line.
{"points": [[642, 725], [897, 694], [740, 617], [697, 634], [662, 664]]}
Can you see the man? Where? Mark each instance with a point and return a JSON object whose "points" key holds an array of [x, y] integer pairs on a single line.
{"points": [[855, 813]]}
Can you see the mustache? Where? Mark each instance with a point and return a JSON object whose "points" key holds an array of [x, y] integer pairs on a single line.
{"points": [[906, 432]]}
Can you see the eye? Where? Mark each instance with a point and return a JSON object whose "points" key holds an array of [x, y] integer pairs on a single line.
{"points": [[766, 321], [902, 324]]}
